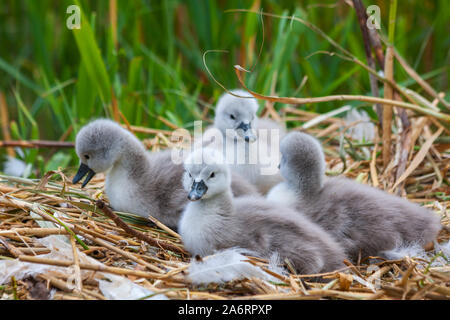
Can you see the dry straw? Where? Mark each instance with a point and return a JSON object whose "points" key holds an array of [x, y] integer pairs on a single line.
{"points": [[149, 253], [160, 263]]}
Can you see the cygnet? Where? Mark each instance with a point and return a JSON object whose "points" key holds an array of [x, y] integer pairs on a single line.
{"points": [[214, 220], [250, 144], [137, 181], [362, 218]]}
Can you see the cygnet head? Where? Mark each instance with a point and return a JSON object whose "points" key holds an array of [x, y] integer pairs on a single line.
{"points": [[236, 117], [206, 174], [99, 145], [302, 161]]}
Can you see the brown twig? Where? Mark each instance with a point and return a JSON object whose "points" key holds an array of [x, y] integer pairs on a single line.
{"points": [[362, 18], [378, 49], [418, 158], [122, 253], [141, 236], [413, 74], [346, 55], [387, 110], [10, 248], [399, 292], [341, 97], [96, 267], [405, 138], [164, 227], [63, 137], [5, 123], [37, 144], [40, 232], [76, 265], [62, 285], [373, 168], [146, 130], [113, 21]]}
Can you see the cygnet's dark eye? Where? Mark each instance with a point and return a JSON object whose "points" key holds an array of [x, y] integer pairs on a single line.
{"points": [[212, 175], [190, 176], [232, 116], [86, 156]]}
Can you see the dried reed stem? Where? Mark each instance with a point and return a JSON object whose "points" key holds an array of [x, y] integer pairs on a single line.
{"points": [[99, 267], [362, 18], [37, 144], [153, 242], [5, 123], [76, 264], [123, 253], [413, 74], [342, 97], [387, 108]]}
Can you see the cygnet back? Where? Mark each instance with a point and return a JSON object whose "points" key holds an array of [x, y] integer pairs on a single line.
{"points": [[360, 217]]}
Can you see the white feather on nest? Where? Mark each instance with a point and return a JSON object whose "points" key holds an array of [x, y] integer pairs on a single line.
{"points": [[16, 167], [228, 265], [416, 251], [364, 129]]}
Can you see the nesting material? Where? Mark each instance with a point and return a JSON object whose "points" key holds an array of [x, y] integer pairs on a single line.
{"points": [[112, 286], [165, 272]]}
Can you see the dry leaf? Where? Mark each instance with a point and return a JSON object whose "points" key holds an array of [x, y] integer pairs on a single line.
{"points": [[345, 280]]}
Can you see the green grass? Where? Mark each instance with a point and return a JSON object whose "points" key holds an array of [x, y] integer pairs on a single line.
{"points": [[55, 78]]}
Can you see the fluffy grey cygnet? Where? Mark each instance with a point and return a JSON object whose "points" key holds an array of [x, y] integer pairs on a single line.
{"points": [[137, 181], [248, 140], [360, 217], [214, 220]]}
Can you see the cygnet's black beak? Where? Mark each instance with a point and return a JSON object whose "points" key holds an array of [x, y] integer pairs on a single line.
{"points": [[247, 132], [244, 126], [82, 171], [198, 190]]}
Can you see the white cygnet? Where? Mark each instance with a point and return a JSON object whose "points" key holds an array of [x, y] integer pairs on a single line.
{"points": [[360, 217], [250, 144], [137, 181], [214, 220]]}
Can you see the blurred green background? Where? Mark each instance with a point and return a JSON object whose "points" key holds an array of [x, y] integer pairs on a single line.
{"points": [[146, 57]]}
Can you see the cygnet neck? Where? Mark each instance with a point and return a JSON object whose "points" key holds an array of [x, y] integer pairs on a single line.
{"points": [[307, 185], [221, 203], [132, 154]]}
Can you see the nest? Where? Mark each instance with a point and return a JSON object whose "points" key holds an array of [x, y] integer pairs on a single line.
{"points": [[151, 255]]}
